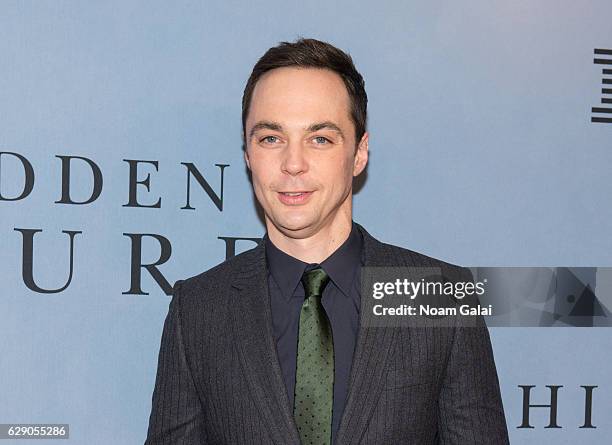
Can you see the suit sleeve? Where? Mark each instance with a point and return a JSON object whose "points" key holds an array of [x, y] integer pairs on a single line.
{"points": [[470, 405], [176, 412]]}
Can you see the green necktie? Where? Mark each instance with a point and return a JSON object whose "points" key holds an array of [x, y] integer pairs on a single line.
{"points": [[314, 377]]}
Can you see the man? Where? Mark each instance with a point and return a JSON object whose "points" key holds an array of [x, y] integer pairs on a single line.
{"points": [[267, 347]]}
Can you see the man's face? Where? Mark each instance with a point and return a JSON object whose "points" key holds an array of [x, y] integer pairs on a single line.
{"points": [[301, 149]]}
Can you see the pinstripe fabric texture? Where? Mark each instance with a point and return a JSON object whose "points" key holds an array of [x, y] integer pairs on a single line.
{"points": [[219, 380]]}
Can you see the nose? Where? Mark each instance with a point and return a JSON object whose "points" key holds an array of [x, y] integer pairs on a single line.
{"points": [[294, 159]]}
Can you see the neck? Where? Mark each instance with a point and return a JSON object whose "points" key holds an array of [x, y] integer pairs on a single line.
{"points": [[315, 247]]}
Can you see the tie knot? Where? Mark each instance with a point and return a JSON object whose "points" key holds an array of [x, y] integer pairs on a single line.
{"points": [[314, 281]]}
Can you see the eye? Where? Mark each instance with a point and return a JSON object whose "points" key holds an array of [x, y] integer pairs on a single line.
{"points": [[269, 139], [321, 140]]}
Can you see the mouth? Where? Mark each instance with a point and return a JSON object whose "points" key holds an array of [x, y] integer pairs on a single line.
{"points": [[294, 198]]}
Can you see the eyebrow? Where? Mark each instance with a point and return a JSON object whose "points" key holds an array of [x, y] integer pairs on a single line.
{"points": [[275, 126]]}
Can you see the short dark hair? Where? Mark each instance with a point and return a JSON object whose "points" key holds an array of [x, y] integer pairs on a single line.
{"points": [[314, 54]]}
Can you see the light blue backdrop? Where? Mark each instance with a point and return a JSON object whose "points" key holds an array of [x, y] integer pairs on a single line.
{"points": [[482, 154]]}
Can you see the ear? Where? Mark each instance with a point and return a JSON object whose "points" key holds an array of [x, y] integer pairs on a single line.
{"points": [[361, 155], [246, 159]]}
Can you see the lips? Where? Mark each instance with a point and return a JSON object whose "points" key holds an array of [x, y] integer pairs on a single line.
{"points": [[294, 197]]}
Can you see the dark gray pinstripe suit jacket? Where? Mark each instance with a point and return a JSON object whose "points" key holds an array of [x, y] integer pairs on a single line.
{"points": [[219, 380]]}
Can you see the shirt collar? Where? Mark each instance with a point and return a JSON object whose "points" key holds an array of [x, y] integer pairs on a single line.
{"points": [[341, 265]]}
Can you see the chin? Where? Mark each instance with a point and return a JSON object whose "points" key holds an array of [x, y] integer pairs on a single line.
{"points": [[295, 225]]}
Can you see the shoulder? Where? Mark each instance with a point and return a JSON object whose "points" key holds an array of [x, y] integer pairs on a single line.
{"points": [[428, 267], [218, 279], [423, 260], [386, 254]]}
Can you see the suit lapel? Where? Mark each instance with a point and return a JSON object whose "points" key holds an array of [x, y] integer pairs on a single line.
{"points": [[369, 361], [252, 321]]}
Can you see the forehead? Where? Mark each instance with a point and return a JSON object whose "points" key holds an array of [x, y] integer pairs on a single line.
{"points": [[300, 94]]}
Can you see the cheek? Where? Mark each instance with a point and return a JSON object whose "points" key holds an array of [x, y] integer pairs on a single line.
{"points": [[259, 180], [337, 176], [335, 167], [345, 167], [262, 169]]}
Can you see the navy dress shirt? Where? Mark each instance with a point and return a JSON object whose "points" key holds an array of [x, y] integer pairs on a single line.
{"points": [[341, 300]]}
